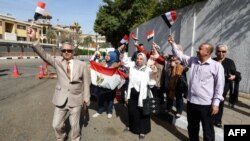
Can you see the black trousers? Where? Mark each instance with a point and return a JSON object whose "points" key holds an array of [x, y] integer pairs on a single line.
{"points": [[195, 115], [138, 122], [218, 117]]}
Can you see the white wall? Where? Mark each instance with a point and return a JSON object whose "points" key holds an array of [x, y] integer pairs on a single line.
{"points": [[217, 21]]}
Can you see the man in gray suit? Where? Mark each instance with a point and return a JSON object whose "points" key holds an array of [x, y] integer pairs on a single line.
{"points": [[72, 88]]}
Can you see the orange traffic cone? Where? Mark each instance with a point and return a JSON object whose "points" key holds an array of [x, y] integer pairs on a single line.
{"points": [[15, 71], [46, 72], [41, 72]]}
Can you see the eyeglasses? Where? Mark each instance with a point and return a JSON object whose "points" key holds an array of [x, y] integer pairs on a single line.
{"points": [[67, 50], [221, 51]]}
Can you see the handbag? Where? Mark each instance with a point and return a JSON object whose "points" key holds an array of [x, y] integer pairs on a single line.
{"points": [[151, 105]]}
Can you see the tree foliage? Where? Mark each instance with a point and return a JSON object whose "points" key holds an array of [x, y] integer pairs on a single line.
{"points": [[87, 41], [50, 35], [116, 18]]}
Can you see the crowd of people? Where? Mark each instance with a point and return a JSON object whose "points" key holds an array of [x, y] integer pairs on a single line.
{"points": [[209, 81]]}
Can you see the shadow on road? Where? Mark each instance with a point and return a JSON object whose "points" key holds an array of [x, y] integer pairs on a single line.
{"points": [[163, 120], [122, 113], [4, 74], [3, 70], [160, 119]]}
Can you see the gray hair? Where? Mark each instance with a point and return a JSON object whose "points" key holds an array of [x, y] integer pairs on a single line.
{"points": [[67, 43], [221, 45]]}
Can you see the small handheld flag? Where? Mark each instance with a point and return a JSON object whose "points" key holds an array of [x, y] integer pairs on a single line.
{"points": [[133, 36], [125, 39], [150, 35], [169, 18], [40, 10]]}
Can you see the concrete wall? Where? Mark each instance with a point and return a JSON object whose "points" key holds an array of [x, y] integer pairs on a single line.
{"points": [[217, 21]]}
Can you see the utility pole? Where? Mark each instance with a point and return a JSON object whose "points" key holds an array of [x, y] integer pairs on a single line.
{"points": [[96, 42]]}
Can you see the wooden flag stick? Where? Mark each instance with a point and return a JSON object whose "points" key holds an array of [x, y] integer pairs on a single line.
{"points": [[32, 23]]}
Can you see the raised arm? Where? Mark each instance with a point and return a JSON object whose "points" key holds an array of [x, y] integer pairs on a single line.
{"points": [[183, 58], [141, 49], [31, 33]]}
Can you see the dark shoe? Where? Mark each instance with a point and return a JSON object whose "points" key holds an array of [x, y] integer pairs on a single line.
{"points": [[232, 106], [219, 125], [142, 136]]}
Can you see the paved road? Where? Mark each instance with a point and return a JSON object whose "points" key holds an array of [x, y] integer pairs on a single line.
{"points": [[26, 111]]}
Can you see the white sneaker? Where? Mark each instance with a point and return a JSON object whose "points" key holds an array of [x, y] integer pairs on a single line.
{"points": [[96, 115], [109, 115], [178, 115]]}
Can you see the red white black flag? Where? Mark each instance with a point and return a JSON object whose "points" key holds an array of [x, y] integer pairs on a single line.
{"points": [[40, 10], [169, 18], [108, 78], [133, 36], [150, 35], [125, 39]]}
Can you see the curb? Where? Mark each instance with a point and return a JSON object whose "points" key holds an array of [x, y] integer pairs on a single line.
{"points": [[23, 57], [244, 95], [182, 123]]}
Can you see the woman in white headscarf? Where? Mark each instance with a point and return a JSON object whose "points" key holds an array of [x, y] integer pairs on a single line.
{"points": [[139, 79]]}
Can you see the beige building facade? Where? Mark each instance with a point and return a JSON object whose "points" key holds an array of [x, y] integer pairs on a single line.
{"points": [[14, 40]]}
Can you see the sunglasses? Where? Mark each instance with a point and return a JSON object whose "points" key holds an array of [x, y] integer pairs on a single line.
{"points": [[67, 50], [221, 51]]}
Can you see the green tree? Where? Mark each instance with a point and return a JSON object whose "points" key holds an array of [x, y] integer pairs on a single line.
{"points": [[87, 41], [105, 45], [75, 35], [118, 17], [50, 35]]}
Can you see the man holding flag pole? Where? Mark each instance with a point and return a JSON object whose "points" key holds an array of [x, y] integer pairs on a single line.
{"points": [[72, 89]]}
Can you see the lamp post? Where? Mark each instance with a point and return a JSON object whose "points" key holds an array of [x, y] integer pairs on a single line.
{"points": [[96, 37]]}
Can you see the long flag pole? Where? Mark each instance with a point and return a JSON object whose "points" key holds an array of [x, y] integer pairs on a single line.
{"points": [[193, 34], [137, 33], [154, 35]]}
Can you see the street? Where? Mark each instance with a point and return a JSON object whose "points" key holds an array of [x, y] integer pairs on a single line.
{"points": [[27, 111]]}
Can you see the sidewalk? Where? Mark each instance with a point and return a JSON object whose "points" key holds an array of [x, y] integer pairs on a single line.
{"points": [[20, 57], [80, 57], [238, 115]]}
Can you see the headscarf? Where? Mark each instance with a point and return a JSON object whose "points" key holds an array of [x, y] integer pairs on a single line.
{"points": [[112, 59], [144, 65]]}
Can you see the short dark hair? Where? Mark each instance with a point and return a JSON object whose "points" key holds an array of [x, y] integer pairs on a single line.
{"points": [[211, 47]]}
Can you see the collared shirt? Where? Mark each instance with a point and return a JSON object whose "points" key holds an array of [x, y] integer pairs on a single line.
{"points": [[207, 79]]}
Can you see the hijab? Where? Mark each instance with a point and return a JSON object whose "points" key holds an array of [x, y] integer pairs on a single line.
{"points": [[144, 65], [112, 59]]}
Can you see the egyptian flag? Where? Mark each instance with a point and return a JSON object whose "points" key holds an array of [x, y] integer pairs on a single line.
{"points": [[108, 78], [150, 35], [133, 36], [169, 18], [40, 9], [125, 39]]}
